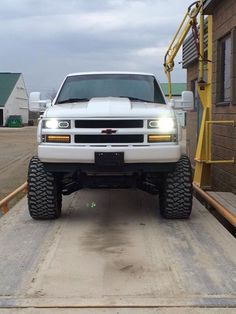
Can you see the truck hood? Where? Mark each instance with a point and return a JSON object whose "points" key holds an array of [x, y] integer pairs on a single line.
{"points": [[108, 107]]}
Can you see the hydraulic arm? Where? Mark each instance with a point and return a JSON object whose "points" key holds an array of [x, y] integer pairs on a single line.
{"points": [[189, 21], [203, 156]]}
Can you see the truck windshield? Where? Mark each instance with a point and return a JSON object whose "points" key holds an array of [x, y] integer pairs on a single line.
{"points": [[133, 86]]}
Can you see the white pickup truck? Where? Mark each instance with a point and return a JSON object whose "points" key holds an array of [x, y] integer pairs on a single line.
{"points": [[109, 130]]}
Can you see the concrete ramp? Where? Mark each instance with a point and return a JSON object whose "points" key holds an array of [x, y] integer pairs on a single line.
{"points": [[111, 252]]}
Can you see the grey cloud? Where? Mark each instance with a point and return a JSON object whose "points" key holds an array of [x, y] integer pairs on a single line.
{"points": [[47, 39]]}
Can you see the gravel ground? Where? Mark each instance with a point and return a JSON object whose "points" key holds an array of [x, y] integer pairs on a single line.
{"points": [[16, 148]]}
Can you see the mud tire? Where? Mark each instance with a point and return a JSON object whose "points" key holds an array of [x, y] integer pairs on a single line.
{"points": [[176, 191], [44, 195]]}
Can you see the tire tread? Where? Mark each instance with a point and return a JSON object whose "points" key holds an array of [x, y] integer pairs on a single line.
{"points": [[176, 191], [44, 196]]}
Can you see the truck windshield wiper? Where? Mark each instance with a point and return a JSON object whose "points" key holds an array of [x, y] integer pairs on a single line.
{"points": [[69, 100], [135, 99]]}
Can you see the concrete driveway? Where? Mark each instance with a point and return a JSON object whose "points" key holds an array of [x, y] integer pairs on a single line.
{"points": [[111, 252]]}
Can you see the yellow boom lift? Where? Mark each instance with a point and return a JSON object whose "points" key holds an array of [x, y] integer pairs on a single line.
{"points": [[203, 156]]}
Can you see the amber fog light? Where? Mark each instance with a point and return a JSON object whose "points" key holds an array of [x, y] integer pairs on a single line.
{"points": [[58, 138], [159, 138]]}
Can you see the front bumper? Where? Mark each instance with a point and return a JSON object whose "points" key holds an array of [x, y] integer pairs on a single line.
{"points": [[162, 153]]}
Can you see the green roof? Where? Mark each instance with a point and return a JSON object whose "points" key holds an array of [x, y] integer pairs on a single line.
{"points": [[7, 83], [177, 88]]}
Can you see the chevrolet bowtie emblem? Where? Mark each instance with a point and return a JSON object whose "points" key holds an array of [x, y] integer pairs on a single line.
{"points": [[109, 131]]}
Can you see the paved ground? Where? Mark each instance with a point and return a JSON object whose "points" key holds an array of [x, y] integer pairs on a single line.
{"points": [[16, 147], [115, 255]]}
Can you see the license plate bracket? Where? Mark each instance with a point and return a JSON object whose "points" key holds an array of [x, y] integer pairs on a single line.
{"points": [[114, 159]]}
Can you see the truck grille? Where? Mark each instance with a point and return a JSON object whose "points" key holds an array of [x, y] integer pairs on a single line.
{"points": [[104, 124], [97, 139]]}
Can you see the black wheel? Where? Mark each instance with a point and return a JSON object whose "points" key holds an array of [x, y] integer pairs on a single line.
{"points": [[176, 191], [44, 195]]}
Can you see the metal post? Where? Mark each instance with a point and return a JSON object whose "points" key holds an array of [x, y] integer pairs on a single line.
{"points": [[202, 173]]}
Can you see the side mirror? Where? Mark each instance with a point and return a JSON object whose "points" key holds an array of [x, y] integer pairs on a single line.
{"points": [[186, 102], [36, 104]]}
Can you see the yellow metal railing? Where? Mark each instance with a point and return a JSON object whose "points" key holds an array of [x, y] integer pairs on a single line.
{"points": [[208, 153], [203, 156], [208, 143], [202, 174], [4, 202]]}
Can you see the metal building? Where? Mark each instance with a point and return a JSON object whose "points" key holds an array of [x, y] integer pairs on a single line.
{"points": [[13, 97]]}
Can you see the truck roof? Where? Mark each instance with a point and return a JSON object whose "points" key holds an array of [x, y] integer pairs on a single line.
{"points": [[109, 72]]}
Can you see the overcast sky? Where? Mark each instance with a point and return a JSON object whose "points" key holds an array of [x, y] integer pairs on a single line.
{"points": [[46, 39]]}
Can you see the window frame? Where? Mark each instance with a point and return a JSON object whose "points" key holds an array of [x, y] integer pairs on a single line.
{"points": [[221, 70], [233, 66]]}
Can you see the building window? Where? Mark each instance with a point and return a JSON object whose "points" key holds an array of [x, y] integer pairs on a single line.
{"points": [[224, 61]]}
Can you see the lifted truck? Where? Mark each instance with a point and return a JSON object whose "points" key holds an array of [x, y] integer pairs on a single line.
{"points": [[109, 129]]}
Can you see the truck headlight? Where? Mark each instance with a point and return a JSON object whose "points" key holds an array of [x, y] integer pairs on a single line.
{"points": [[56, 124], [51, 124], [163, 124]]}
